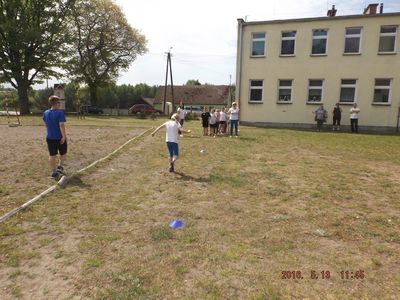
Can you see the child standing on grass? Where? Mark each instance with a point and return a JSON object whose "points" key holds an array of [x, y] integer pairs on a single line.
{"points": [[56, 136], [205, 119], [171, 137]]}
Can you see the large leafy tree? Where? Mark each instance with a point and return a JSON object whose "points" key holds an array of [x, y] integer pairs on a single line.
{"points": [[31, 42], [106, 44]]}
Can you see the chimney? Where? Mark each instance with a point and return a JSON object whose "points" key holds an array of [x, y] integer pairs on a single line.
{"points": [[332, 12], [381, 8], [371, 9]]}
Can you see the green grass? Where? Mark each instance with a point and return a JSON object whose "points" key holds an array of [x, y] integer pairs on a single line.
{"points": [[270, 201]]}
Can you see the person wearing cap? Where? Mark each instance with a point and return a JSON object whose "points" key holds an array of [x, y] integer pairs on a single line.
{"points": [[233, 113], [56, 137], [171, 137]]}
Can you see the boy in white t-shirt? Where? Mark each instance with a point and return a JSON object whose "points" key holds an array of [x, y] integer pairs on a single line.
{"points": [[171, 137]]}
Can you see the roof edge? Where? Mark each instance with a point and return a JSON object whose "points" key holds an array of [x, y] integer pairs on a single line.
{"points": [[243, 23]]}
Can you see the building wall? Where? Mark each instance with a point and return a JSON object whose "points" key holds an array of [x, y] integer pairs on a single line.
{"points": [[332, 67]]}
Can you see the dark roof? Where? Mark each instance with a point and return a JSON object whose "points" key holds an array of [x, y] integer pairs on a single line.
{"points": [[195, 94]]}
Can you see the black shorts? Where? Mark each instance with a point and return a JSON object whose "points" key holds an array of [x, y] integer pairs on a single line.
{"points": [[55, 147], [205, 124]]}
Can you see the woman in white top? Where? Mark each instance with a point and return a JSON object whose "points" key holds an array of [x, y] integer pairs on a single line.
{"points": [[354, 118], [171, 137], [233, 113]]}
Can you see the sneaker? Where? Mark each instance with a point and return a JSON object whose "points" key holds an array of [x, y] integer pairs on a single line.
{"points": [[54, 174], [61, 169], [171, 167]]}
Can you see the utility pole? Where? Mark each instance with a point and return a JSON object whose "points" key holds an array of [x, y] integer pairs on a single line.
{"points": [[169, 66]]}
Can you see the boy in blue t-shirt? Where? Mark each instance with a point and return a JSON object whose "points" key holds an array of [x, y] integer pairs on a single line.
{"points": [[56, 137]]}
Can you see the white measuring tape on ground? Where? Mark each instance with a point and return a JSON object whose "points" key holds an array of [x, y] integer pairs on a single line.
{"points": [[63, 181]]}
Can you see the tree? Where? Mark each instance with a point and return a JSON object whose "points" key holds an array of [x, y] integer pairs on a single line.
{"points": [[193, 82], [106, 44], [31, 42]]}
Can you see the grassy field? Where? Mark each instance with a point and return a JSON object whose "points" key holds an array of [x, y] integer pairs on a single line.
{"points": [[256, 211]]}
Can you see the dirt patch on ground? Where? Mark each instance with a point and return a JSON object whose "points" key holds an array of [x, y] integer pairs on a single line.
{"points": [[24, 165]]}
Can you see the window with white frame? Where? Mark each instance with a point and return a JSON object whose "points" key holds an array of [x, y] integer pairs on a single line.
{"points": [[256, 90], [319, 41], [285, 91], [352, 40], [258, 44], [315, 88], [382, 90], [348, 91], [288, 42], [387, 39]]}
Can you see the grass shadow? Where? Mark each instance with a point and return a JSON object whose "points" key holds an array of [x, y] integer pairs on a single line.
{"points": [[75, 180], [183, 176]]}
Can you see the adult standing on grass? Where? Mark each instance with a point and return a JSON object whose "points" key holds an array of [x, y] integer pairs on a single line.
{"points": [[337, 116], [233, 113], [320, 116], [171, 137], [56, 137], [354, 118]]}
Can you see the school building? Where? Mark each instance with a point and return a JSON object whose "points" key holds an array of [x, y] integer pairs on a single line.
{"points": [[287, 68]]}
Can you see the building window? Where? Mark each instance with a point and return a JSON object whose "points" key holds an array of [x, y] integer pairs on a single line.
{"points": [[258, 44], [387, 39], [348, 91], [320, 38], [352, 40], [288, 42], [382, 91], [256, 90], [285, 91], [315, 90]]}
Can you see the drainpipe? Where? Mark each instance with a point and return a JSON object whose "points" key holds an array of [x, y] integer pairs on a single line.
{"points": [[241, 22]]}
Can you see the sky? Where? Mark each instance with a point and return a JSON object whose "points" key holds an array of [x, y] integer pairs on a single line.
{"points": [[202, 35]]}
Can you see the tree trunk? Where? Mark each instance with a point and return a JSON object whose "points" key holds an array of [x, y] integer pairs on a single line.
{"points": [[23, 98], [93, 94]]}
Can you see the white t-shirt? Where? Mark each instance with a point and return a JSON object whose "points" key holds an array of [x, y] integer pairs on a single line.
{"points": [[213, 119], [171, 134], [234, 113], [182, 113], [354, 112], [222, 116]]}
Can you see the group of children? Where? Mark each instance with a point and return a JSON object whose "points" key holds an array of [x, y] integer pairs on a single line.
{"points": [[56, 138], [216, 122]]}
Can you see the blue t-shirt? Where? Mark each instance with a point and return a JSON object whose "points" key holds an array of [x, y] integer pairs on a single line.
{"points": [[53, 118]]}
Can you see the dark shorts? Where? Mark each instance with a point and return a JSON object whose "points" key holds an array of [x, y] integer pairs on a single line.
{"points": [[173, 149], [205, 124], [336, 120], [213, 125], [55, 147]]}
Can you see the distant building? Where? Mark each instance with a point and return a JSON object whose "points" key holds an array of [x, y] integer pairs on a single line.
{"points": [[194, 96], [287, 68]]}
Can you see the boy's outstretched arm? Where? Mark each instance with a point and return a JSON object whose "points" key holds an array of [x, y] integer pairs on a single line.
{"points": [[157, 129]]}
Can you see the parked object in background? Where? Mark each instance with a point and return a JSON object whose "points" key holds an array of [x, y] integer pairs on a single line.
{"points": [[144, 108], [89, 109]]}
